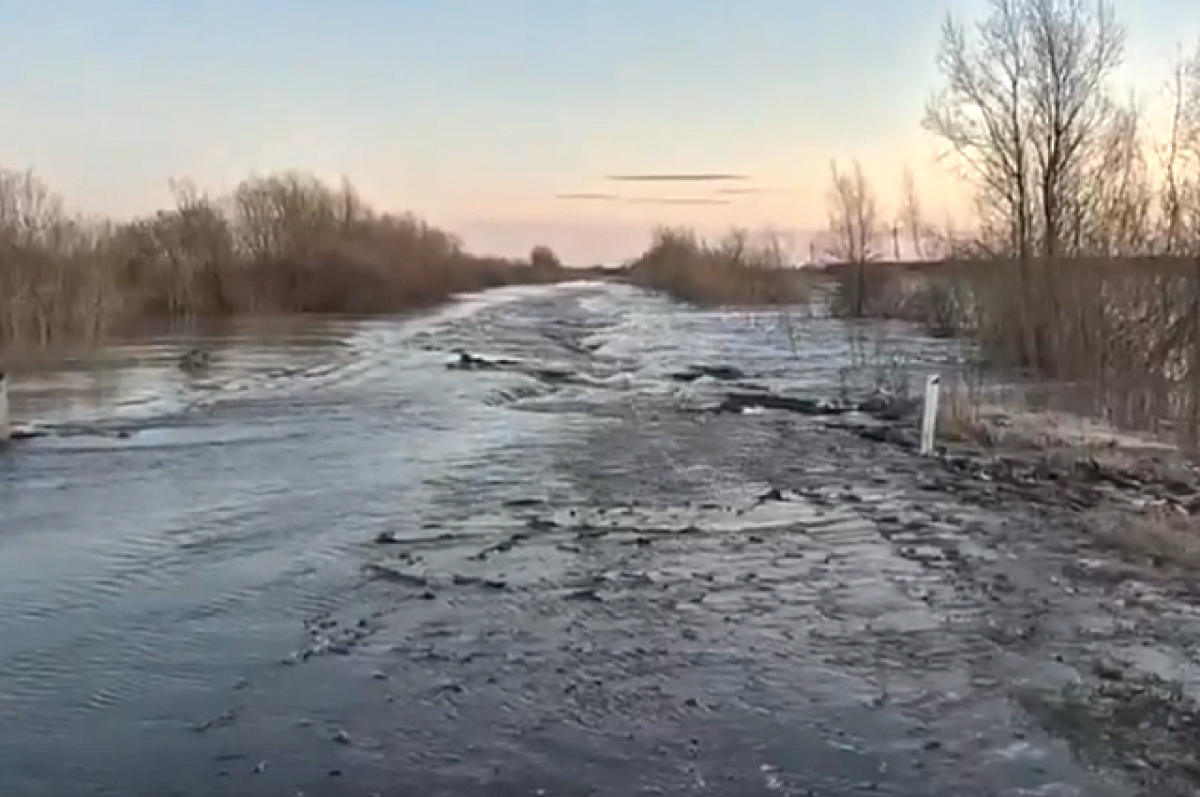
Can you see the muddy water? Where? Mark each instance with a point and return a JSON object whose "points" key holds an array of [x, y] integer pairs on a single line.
{"points": [[332, 565]]}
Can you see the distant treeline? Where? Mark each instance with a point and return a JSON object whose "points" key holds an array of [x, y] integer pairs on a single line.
{"points": [[282, 243]]}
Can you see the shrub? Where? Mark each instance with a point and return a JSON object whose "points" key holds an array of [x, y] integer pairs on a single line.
{"points": [[735, 271]]}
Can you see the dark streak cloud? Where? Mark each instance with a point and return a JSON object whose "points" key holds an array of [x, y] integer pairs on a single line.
{"points": [[675, 201], [701, 177]]}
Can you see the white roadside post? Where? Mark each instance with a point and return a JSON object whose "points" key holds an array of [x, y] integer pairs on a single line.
{"points": [[5, 425], [929, 421]]}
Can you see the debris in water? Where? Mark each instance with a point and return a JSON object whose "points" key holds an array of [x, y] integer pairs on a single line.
{"points": [[225, 718], [398, 576], [1109, 671], [722, 373], [195, 361], [523, 503], [737, 403]]}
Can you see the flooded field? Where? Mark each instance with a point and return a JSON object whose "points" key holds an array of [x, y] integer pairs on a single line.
{"points": [[512, 548]]}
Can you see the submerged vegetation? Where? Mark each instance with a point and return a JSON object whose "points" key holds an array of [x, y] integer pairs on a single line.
{"points": [[283, 243]]}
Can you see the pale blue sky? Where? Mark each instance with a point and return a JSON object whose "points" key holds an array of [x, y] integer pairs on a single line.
{"points": [[476, 113]]}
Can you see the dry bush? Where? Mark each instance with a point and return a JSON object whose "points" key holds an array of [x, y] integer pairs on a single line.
{"points": [[861, 291], [1125, 329], [1157, 536], [923, 292], [1084, 267], [1123, 332], [543, 257], [974, 410], [57, 273], [736, 271], [867, 290], [875, 364], [964, 417], [941, 303], [852, 238], [285, 243]]}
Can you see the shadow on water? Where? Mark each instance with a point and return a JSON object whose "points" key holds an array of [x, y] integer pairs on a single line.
{"points": [[333, 565]]}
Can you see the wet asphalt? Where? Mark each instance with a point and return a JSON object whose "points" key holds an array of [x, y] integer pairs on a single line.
{"points": [[334, 565]]}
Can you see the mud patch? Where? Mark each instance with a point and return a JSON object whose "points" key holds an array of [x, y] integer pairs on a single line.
{"points": [[1141, 725]]}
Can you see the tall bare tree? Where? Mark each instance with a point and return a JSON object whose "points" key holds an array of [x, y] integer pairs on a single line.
{"points": [[1024, 112], [911, 215], [1181, 158], [854, 227], [1181, 211], [1076, 45], [1025, 101], [1111, 202], [981, 115]]}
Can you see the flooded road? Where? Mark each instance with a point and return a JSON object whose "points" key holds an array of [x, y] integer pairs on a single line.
{"points": [[334, 565]]}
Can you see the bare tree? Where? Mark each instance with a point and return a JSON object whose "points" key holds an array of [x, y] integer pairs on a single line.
{"points": [[1182, 217], [1111, 202], [1180, 159], [543, 257], [30, 213], [1075, 45], [1024, 104], [981, 116], [854, 227], [1024, 112], [1170, 154], [912, 213]]}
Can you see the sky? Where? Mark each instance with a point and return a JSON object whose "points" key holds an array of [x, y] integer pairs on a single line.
{"points": [[480, 114]]}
